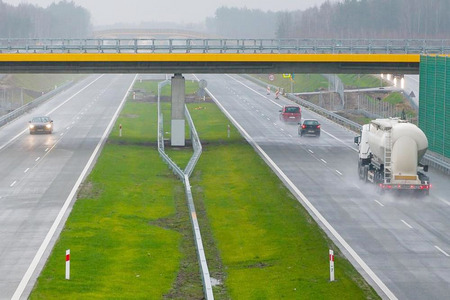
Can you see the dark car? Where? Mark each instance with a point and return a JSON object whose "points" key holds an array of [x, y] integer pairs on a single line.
{"points": [[41, 124], [291, 113], [309, 126]]}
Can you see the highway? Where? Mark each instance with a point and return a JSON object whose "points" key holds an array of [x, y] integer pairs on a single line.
{"points": [[40, 174], [403, 239]]}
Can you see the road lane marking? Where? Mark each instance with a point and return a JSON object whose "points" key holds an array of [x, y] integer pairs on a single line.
{"points": [[275, 124], [306, 202], [323, 160], [381, 204], [337, 171], [37, 158], [46, 149], [14, 183], [281, 129], [289, 135], [32, 267], [442, 251], [26, 170], [407, 224], [62, 133], [310, 151]]}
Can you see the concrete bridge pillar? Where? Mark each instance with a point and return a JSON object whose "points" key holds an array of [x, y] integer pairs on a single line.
{"points": [[178, 102]]}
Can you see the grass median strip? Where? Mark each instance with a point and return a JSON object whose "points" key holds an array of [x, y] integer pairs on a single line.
{"points": [[129, 231], [130, 236]]}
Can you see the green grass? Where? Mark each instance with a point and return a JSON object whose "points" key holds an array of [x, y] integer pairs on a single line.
{"points": [[129, 231], [301, 83], [41, 82], [269, 246], [352, 81], [130, 237], [394, 98], [151, 87]]}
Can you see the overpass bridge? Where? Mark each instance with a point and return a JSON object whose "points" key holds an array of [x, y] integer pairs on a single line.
{"points": [[215, 55]]}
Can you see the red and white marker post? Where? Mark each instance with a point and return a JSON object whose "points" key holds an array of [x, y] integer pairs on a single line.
{"points": [[68, 264], [268, 90], [277, 93], [331, 255]]}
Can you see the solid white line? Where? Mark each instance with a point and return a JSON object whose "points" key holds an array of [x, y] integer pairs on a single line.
{"points": [[338, 172], [381, 204], [445, 253], [14, 183], [26, 170], [406, 224], [37, 159], [26, 278], [306, 202], [324, 161]]}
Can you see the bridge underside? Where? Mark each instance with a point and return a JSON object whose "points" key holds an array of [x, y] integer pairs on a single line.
{"points": [[209, 67], [208, 63]]}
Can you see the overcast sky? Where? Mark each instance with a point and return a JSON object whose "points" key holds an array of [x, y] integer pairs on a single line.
{"points": [[107, 12]]}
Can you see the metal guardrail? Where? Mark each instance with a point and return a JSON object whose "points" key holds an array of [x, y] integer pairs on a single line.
{"points": [[352, 46], [184, 176], [29, 106]]}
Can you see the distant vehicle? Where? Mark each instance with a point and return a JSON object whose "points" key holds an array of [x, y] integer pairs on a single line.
{"points": [[309, 126], [291, 113], [41, 124]]}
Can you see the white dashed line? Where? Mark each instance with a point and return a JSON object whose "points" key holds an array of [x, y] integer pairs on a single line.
{"points": [[12, 184], [67, 128], [73, 122], [442, 251], [310, 151], [324, 161], [381, 204], [37, 159], [46, 149], [268, 119], [407, 224], [275, 124], [289, 135], [26, 170], [338, 172], [281, 129], [62, 134]]}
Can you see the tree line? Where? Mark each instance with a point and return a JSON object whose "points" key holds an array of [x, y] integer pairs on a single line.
{"points": [[59, 20], [408, 19]]}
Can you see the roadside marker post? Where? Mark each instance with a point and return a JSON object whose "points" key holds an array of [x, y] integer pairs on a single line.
{"points": [[331, 255], [277, 93], [268, 90], [120, 129], [228, 130], [68, 264]]}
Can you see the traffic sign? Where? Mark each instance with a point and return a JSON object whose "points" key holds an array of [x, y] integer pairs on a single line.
{"points": [[271, 77], [287, 75]]}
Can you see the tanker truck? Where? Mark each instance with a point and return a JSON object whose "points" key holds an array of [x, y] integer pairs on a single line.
{"points": [[390, 151]]}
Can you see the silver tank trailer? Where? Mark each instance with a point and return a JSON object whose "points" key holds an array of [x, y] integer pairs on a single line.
{"points": [[409, 145]]}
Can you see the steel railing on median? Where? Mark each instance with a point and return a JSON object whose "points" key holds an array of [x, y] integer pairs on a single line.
{"points": [[184, 176], [27, 107]]}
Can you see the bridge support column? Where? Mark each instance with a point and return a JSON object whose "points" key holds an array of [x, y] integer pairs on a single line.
{"points": [[178, 101]]}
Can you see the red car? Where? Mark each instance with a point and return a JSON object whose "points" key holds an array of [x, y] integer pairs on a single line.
{"points": [[291, 113]]}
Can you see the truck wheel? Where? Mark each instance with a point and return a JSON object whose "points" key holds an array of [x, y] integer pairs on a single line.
{"points": [[365, 170]]}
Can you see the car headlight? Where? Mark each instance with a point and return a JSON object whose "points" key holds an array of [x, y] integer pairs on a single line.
{"points": [[31, 126], [48, 126]]}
